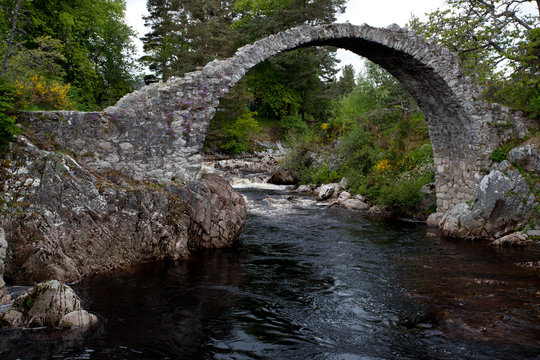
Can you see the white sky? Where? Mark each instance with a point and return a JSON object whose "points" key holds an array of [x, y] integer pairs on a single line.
{"points": [[380, 13]]}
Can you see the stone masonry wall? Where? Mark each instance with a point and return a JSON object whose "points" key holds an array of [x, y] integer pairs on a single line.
{"points": [[157, 132]]}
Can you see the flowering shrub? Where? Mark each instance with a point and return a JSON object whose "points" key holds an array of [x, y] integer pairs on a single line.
{"points": [[383, 166], [38, 92]]}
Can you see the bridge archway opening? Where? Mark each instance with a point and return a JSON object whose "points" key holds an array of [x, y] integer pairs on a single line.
{"points": [[456, 116]]}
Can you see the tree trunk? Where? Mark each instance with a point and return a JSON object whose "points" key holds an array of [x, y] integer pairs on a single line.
{"points": [[12, 36]]}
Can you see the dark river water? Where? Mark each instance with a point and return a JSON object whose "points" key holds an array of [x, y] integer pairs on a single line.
{"points": [[308, 282]]}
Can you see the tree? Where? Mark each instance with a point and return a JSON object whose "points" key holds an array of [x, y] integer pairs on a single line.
{"points": [[346, 82], [187, 34], [296, 82], [82, 42], [9, 47], [491, 38]]}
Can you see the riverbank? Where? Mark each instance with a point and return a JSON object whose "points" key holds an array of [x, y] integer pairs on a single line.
{"points": [[64, 221], [309, 281]]}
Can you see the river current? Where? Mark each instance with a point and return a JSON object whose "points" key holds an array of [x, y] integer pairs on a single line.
{"points": [[309, 282]]}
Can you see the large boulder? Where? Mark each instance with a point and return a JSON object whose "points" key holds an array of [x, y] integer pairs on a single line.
{"points": [[218, 213], [281, 177], [64, 221], [354, 204], [326, 191], [48, 304], [503, 201], [527, 155]]}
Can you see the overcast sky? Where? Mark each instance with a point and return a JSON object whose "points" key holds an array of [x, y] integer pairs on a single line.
{"points": [[379, 13]]}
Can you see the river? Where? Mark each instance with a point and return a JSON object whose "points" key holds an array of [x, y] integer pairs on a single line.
{"points": [[309, 282]]}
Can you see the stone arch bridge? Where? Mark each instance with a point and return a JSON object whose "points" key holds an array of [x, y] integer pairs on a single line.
{"points": [[157, 132]]}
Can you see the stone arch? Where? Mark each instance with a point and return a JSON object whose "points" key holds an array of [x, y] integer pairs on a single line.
{"points": [[160, 129]]}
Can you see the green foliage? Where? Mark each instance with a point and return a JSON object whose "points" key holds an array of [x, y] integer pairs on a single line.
{"points": [[83, 43], [319, 175], [404, 195], [498, 155], [498, 45], [293, 123], [299, 159], [7, 121], [346, 82], [28, 303], [522, 89], [238, 131], [377, 139], [359, 152]]}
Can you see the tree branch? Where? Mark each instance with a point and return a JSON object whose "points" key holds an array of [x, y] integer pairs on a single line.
{"points": [[11, 37]]}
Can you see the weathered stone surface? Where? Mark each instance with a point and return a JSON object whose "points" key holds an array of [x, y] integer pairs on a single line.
{"points": [[326, 191], [218, 213], [354, 204], [360, 197], [512, 240], [344, 195], [304, 189], [281, 177], [157, 132], [77, 319], [64, 221], [535, 233], [434, 219], [502, 202], [46, 304], [527, 155], [379, 211], [344, 183], [4, 297]]}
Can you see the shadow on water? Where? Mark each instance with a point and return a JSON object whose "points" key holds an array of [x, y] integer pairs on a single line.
{"points": [[307, 282]]}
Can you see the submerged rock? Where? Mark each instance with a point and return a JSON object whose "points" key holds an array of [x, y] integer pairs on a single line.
{"points": [[379, 211], [304, 189], [502, 202], [434, 219], [513, 240], [65, 221], [48, 304]]}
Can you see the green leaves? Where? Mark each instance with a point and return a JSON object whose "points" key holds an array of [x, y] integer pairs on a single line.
{"points": [[7, 121], [83, 42]]}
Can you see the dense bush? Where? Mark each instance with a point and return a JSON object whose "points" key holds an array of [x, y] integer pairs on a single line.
{"points": [[293, 123], [404, 194], [238, 131], [38, 93]]}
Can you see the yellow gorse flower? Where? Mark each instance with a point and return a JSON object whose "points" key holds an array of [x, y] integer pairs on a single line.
{"points": [[383, 166], [36, 90]]}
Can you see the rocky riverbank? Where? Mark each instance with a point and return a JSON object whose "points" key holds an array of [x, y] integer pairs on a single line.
{"points": [[64, 221], [503, 209]]}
